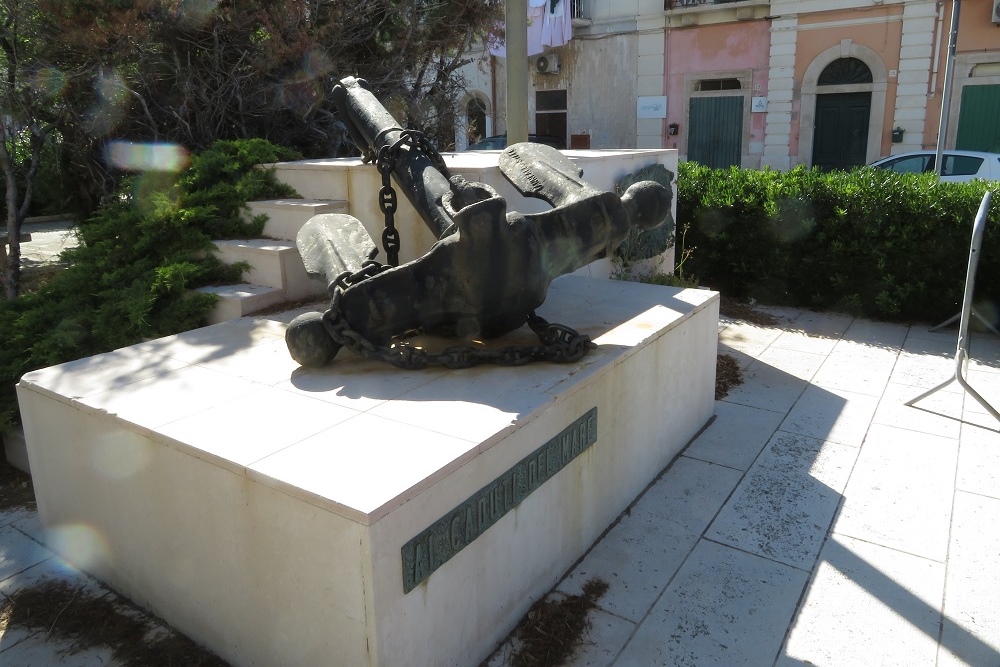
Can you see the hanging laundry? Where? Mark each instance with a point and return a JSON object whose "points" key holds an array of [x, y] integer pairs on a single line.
{"points": [[558, 25], [549, 25]]}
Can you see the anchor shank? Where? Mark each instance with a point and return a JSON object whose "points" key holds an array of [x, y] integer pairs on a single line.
{"points": [[368, 121]]}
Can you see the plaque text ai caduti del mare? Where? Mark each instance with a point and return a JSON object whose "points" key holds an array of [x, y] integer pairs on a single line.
{"points": [[458, 528]]}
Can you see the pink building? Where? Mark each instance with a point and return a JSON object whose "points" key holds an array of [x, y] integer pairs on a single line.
{"points": [[833, 83]]}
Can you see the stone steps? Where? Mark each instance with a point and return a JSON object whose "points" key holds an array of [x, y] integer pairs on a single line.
{"points": [[276, 272]]}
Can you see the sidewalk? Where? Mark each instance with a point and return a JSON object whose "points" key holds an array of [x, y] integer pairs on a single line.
{"points": [[816, 521]]}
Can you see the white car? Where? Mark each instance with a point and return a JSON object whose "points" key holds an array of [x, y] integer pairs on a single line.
{"points": [[958, 165]]}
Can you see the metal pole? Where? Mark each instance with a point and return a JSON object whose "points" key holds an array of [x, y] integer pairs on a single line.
{"points": [[517, 70], [946, 91], [962, 349]]}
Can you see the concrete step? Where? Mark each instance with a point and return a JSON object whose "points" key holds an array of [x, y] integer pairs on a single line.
{"points": [[235, 301], [317, 179], [273, 263], [285, 217]]}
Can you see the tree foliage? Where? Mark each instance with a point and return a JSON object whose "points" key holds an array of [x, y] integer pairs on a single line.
{"points": [[141, 255], [191, 72]]}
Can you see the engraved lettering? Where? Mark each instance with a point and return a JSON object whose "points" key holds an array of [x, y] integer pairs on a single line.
{"points": [[457, 531], [436, 545]]}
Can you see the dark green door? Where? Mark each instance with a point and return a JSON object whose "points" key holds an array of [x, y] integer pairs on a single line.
{"points": [[715, 136], [978, 129], [840, 140]]}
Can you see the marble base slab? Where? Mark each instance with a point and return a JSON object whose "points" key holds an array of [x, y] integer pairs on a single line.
{"points": [[279, 515]]}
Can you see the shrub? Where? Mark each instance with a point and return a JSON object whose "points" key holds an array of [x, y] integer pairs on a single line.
{"points": [[869, 242], [140, 257]]}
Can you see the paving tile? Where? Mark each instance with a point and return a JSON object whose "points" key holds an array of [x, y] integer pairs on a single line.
{"points": [[736, 436], [725, 607], [785, 505], [768, 388], [855, 368], [979, 461], [987, 385], [924, 370], [798, 341], [18, 552], [645, 549], [937, 414], [800, 364], [14, 514], [748, 338], [900, 492], [971, 633], [604, 639], [921, 336], [830, 325], [867, 605], [882, 335], [831, 414], [53, 569]]}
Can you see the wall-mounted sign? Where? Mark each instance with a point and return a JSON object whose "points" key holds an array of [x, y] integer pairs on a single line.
{"points": [[652, 106], [758, 104], [458, 528]]}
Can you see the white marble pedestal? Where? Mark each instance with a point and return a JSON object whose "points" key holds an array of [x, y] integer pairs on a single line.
{"points": [[280, 516]]}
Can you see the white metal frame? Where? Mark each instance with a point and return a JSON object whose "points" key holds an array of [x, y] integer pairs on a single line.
{"points": [[962, 351]]}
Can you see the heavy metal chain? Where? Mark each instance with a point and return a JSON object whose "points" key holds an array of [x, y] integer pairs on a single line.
{"points": [[558, 343], [385, 162]]}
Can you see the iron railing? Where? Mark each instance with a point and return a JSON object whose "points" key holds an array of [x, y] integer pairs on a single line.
{"points": [[676, 4], [578, 9]]}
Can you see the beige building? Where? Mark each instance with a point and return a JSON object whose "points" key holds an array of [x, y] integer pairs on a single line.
{"points": [[833, 83]]}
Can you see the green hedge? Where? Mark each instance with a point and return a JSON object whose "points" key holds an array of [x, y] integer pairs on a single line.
{"points": [[867, 242], [141, 256]]}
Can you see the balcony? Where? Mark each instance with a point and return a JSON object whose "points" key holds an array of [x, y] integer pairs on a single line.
{"points": [[679, 4]]}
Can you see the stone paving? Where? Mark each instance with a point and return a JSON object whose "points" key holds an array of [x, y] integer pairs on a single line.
{"points": [[815, 521]]}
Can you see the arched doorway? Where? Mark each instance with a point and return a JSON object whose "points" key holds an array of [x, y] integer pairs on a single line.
{"points": [[475, 115], [812, 91], [842, 118]]}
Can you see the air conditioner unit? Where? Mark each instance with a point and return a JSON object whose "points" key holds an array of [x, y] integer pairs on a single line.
{"points": [[548, 63], [996, 11]]}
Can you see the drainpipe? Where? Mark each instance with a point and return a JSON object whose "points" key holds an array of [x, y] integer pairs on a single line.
{"points": [[946, 91], [936, 46]]}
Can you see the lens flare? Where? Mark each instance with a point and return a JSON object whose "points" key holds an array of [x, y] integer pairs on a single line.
{"points": [[49, 82], [81, 545], [134, 156]]}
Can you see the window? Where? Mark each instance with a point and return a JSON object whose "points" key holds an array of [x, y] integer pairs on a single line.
{"points": [[913, 164], [550, 114], [845, 71], [718, 84], [961, 165]]}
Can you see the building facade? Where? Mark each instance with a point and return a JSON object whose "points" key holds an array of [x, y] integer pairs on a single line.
{"points": [[753, 83]]}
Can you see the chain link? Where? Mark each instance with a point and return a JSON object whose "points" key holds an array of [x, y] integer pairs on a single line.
{"points": [[559, 344], [385, 162]]}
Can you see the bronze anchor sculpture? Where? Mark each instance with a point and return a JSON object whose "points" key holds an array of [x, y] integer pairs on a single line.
{"points": [[488, 271]]}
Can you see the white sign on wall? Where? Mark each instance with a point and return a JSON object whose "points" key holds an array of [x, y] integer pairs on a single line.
{"points": [[758, 104], [652, 106]]}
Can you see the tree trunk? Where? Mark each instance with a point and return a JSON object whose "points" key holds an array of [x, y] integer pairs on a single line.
{"points": [[10, 263]]}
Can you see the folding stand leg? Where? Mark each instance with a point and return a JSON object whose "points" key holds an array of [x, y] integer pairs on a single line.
{"points": [[961, 361], [975, 313], [962, 351]]}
